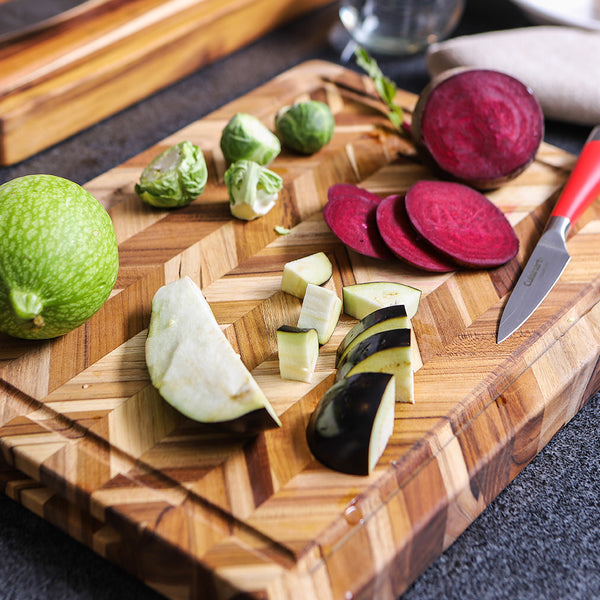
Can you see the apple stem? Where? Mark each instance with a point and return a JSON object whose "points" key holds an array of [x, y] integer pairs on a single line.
{"points": [[28, 306]]}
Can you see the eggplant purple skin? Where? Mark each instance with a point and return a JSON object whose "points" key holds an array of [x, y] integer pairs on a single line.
{"points": [[377, 316], [339, 430], [374, 343], [249, 424]]}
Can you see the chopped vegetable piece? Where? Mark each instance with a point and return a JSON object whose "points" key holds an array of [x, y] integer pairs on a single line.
{"points": [[297, 274], [383, 319], [245, 137], [404, 241], [353, 422], [360, 299], [174, 178], [461, 223], [298, 351], [383, 352], [321, 309], [478, 126]]}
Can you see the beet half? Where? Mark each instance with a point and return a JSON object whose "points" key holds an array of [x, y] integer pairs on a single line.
{"points": [[404, 241], [351, 214], [461, 223], [478, 126]]}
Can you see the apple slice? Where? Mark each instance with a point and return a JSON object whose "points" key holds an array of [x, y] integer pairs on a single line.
{"points": [[194, 367], [297, 274], [361, 299], [298, 351], [383, 352], [321, 310], [383, 319], [352, 423]]}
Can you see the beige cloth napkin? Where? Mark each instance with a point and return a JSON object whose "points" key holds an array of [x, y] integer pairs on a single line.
{"points": [[560, 64]]}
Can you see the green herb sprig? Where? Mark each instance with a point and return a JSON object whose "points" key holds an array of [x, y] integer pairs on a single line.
{"points": [[386, 88]]}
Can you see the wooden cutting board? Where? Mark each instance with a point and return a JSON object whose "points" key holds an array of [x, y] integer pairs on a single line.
{"points": [[74, 69], [88, 444]]}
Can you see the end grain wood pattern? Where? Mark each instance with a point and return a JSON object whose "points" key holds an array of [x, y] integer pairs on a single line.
{"points": [[89, 445], [63, 75]]}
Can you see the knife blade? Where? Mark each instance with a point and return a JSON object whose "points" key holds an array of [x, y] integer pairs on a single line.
{"points": [[550, 256]]}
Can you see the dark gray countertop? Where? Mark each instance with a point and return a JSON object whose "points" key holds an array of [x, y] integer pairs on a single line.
{"points": [[539, 539]]}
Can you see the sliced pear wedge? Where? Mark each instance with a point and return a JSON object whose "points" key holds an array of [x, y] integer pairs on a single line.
{"points": [[297, 274], [194, 367], [352, 423], [361, 299], [383, 352]]}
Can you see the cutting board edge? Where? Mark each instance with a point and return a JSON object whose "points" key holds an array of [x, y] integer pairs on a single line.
{"points": [[462, 504]]}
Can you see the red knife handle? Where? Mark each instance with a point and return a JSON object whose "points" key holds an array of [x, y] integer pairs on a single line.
{"points": [[583, 186]]}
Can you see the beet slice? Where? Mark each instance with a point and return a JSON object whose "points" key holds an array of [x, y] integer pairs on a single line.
{"points": [[461, 223], [353, 219], [349, 189], [478, 126], [403, 240]]}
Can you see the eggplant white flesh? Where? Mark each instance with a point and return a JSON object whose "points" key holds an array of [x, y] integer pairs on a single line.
{"points": [[352, 423], [383, 319], [194, 367], [360, 299], [298, 350], [297, 274], [321, 310], [384, 352]]}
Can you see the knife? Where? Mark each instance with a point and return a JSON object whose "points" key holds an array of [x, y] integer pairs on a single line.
{"points": [[550, 256]]}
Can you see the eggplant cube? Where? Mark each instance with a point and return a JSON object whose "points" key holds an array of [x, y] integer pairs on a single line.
{"points": [[321, 310], [297, 274], [298, 351], [384, 352], [361, 299], [353, 422]]}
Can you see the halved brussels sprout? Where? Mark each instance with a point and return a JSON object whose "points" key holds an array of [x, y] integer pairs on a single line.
{"points": [[305, 127], [246, 138], [253, 189], [174, 178]]}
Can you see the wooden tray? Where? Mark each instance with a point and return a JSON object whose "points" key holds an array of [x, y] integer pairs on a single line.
{"points": [[89, 445], [81, 66]]}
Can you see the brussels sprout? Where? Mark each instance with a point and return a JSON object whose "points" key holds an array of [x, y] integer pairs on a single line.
{"points": [[305, 127], [174, 178], [246, 138], [253, 189]]}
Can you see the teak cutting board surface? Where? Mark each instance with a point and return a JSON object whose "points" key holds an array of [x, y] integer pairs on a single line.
{"points": [[88, 443], [71, 71]]}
